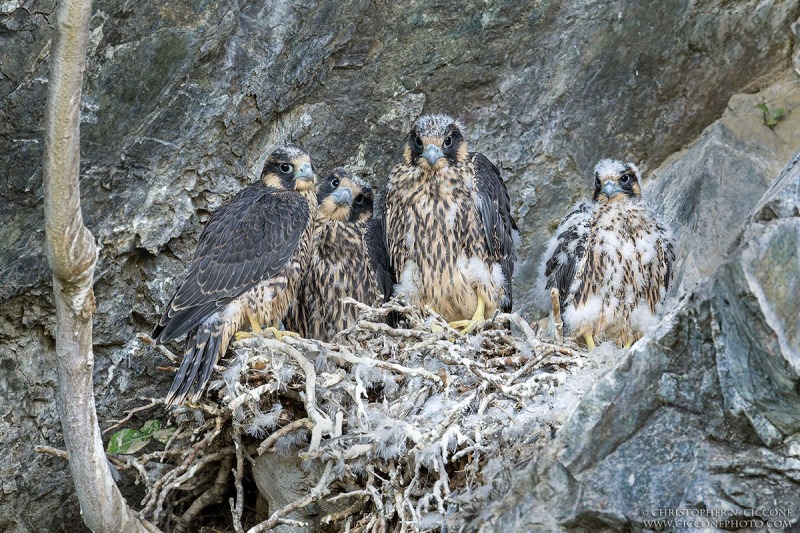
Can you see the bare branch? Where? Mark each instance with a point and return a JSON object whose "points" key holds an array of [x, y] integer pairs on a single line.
{"points": [[270, 441], [316, 493], [322, 424], [344, 513], [520, 322], [72, 254], [152, 402], [420, 372], [209, 497], [160, 348], [55, 452], [238, 507]]}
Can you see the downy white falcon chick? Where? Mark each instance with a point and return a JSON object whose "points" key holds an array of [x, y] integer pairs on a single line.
{"points": [[610, 259]]}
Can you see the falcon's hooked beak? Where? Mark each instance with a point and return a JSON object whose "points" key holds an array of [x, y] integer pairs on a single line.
{"points": [[433, 153], [342, 196], [611, 189], [305, 172]]}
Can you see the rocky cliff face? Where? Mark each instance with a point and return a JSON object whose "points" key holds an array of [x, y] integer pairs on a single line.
{"points": [[702, 414], [183, 101]]}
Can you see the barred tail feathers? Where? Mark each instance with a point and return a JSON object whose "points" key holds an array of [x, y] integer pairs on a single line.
{"points": [[204, 347]]}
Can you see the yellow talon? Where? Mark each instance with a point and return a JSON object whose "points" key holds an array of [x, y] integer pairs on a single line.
{"points": [[255, 325], [628, 343], [279, 335], [190, 403], [477, 319], [240, 335], [589, 341], [257, 331], [464, 326]]}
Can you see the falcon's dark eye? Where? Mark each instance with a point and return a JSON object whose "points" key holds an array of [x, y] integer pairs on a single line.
{"points": [[335, 182], [448, 141], [359, 199], [286, 168], [418, 141], [625, 178]]}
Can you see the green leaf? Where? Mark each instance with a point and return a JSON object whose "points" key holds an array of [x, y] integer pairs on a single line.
{"points": [[163, 435], [771, 116], [151, 426], [128, 441]]}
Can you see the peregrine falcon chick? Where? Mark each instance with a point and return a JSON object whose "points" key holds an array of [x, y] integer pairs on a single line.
{"points": [[348, 259], [451, 238], [246, 269], [610, 259]]}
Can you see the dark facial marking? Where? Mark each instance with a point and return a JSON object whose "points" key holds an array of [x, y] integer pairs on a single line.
{"points": [[451, 143], [415, 142], [598, 185], [362, 206], [279, 164], [628, 180], [328, 185]]}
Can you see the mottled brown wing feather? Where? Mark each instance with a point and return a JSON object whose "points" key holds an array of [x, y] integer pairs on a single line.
{"points": [[392, 222], [246, 241], [667, 248], [499, 227], [375, 239], [570, 248], [662, 268]]}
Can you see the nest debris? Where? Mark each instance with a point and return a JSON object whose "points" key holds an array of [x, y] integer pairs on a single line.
{"points": [[414, 428]]}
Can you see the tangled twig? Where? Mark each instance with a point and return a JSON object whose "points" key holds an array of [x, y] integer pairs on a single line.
{"points": [[409, 426], [55, 452], [160, 348], [151, 402], [212, 495], [315, 494]]}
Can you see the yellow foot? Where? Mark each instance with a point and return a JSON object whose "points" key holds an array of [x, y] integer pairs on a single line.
{"points": [[467, 326], [279, 335], [628, 343], [589, 341], [256, 327], [239, 335]]}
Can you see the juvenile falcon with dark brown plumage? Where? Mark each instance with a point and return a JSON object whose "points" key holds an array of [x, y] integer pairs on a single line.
{"points": [[246, 269], [610, 259], [349, 259], [451, 237]]}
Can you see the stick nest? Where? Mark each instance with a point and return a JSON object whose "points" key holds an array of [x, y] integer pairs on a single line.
{"points": [[415, 428]]}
